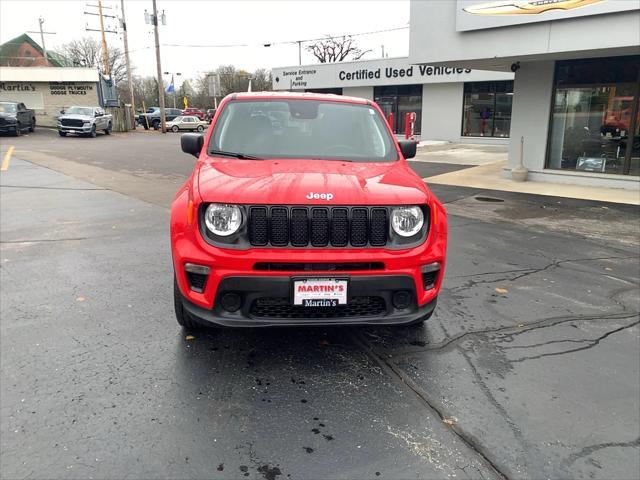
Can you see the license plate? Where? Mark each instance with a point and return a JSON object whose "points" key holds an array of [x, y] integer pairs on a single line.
{"points": [[320, 292]]}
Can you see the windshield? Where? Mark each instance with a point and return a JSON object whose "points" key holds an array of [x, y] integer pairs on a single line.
{"points": [[8, 107], [177, 119], [151, 109], [88, 111], [311, 129]]}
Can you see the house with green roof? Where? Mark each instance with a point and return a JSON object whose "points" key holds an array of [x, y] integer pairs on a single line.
{"points": [[24, 51]]}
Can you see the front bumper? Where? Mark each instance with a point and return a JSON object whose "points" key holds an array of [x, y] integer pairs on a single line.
{"points": [[266, 302], [8, 128], [82, 129]]}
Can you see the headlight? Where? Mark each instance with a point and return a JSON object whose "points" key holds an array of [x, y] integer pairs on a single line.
{"points": [[223, 220], [407, 221]]}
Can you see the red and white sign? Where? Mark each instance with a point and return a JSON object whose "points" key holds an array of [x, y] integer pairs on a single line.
{"points": [[310, 291]]}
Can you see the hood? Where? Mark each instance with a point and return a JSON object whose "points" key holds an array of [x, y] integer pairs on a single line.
{"points": [[316, 182], [8, 116], [75, 116]]}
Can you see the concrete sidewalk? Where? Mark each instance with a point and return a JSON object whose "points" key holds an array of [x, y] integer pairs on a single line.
{"points": [[487, 173]]}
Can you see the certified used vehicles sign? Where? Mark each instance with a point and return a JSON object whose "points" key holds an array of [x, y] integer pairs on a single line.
{"points": [[320, 292]]}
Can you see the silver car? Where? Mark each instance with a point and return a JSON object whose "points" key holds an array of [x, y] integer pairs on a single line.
{"points": [[187, 123]]}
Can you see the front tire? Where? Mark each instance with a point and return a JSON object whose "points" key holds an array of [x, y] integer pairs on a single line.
{"points": [[93, 132], [62, 134], [32, 125], [107, 131], [182, 316], [175, 129], [200, 128], [18, 130]]}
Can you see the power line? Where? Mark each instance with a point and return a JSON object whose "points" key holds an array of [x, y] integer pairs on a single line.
{"points": [[285, 42]]}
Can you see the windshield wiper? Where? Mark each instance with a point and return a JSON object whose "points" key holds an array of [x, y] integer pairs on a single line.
{"points": [[241, 156]]}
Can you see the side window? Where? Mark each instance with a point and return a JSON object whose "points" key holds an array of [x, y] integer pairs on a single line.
{"points": [[188, 120]]}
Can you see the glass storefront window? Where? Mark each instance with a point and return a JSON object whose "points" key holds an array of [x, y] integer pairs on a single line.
{"points": [[400, 100], [487, 109], [595, 117]]}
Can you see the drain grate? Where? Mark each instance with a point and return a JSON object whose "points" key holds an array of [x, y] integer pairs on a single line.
{"points": [[489, 199]]}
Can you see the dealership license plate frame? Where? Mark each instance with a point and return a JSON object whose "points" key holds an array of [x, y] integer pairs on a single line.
{"points": [[296, 280]]}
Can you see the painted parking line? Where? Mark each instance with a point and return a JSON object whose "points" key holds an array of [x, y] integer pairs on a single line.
{"points": [[7, 158]]}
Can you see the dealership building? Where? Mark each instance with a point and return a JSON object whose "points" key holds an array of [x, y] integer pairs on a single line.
{"points": [[576, 92], [453, 104], [557, 80]]}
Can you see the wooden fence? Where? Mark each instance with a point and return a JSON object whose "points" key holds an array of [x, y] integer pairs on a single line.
{"points": [[122, 118]]}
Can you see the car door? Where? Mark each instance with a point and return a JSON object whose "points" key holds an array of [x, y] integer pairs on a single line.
{"points": [[104, 121], [23, 115], [97, 119], [188, 124]]}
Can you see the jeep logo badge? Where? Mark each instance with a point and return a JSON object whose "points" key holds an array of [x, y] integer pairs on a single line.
{"points": [[319, 196]]}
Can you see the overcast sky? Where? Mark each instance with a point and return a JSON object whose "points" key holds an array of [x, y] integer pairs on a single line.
{"points": [[251, 23]]}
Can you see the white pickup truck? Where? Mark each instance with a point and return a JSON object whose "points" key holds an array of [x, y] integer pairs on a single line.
{"points": [[86, 121]]}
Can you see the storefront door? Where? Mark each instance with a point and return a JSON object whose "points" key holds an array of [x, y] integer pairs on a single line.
{"points": [[400, 100]]}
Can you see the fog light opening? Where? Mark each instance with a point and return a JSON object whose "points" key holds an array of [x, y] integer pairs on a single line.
{"points": [[401, 299], [430, 274], [197, 276], [231, 302]]}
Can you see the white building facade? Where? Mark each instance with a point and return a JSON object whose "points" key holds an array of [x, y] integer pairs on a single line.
{"points": [[576, 95], [47, 90], [456, 104]]}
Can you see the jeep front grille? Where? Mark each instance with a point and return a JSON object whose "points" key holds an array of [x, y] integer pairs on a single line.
{"points": [[318, 226]]}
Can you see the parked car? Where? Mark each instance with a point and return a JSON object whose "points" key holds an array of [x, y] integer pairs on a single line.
{"points": [[151, 118], [316, 221], [186, 122], [210, 114], [194, 112], [15, 118], [85, 121]]}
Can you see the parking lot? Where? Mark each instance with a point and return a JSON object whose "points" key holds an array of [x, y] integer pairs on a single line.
{"points": [[529, 367]]}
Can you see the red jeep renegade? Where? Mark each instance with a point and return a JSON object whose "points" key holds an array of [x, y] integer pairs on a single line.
{"points": [[302, 210]]}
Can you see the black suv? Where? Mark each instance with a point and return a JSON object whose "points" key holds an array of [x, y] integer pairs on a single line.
{"points": [[151, 118]]}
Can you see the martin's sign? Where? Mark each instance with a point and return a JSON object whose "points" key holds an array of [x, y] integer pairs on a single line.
{"points": [[17, 87], [392, 71]]}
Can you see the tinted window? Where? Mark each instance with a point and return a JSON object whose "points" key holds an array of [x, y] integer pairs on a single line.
{"points": [[304, 129]]}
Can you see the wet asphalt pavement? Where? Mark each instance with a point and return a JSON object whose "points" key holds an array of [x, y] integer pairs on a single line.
{"points": [[528, 369]]}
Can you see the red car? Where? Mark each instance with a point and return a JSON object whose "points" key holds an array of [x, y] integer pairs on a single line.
{"points": [[302, 210], [194, 112]]}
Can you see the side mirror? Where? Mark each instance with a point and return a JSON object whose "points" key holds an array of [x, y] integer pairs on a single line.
{"points": [[62, 112], [408, 148], [97, 114], [192, 143]]}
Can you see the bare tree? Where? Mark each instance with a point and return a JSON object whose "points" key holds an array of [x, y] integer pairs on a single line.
{"points": [[336, 49], [261, 80], [87, 52]]}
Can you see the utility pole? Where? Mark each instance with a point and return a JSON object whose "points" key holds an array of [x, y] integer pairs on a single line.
{"points": [[126, 57], [106, 67], [105, 52], [299, 52], [156, 34], [42, 34]]}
